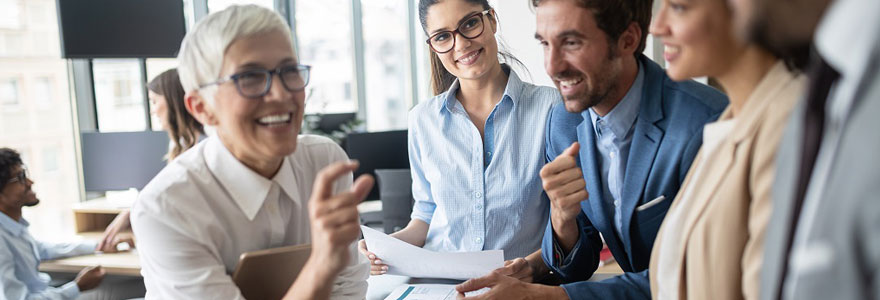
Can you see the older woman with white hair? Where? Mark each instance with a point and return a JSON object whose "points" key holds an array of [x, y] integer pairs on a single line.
{"points": [[254, 185]]}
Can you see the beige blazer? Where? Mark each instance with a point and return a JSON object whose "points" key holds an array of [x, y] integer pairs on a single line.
{"points": [[724, 225]]}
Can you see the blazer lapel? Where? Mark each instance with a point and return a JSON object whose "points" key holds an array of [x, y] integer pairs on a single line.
{"points": [[595, 203], [709, 182], [645, 142]]}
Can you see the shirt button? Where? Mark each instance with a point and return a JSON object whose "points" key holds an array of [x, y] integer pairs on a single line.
{"points": [[478, 194], [479, 206], [478, 240], [616, 202], [612, 155]]}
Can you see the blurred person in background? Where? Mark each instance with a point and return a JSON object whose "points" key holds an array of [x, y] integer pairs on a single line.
{"points": [[21, 254], [711, 244], [822, 241], [184, 131]]}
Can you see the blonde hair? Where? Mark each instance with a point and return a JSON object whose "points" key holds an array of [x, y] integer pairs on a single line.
{"points": [[201, 53]]}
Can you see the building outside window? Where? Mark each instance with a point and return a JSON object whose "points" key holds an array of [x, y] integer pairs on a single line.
{"points": [[42, 126], [119, 95], [325, 42], [386, 55]]}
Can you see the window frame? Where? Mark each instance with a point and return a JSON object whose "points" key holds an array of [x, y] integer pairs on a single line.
{"points": [[83, 83]]}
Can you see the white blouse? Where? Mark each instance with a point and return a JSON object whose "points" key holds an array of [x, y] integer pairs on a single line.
{"points": [[206, 208]]}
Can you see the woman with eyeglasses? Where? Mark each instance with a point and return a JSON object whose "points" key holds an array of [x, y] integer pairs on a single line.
{"points": [[476, 149], [256, 184]]}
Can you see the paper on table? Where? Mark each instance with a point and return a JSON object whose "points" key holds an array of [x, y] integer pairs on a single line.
{"points": [[408, 260], [429, 292]]}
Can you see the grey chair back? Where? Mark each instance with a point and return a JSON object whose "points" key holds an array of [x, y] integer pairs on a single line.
{"points": [[395, 190]]}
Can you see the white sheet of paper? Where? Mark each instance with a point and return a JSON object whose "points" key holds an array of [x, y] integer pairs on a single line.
{"points": [[429, 292], [408, 260]]}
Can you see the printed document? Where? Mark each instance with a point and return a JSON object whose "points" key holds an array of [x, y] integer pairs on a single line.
{"points": [[408, 260], [429, 292]]}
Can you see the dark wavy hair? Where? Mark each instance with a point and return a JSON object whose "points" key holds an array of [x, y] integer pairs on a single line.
{"points": [[8, 159], [185, 129], [614, 16], [441, 79]]}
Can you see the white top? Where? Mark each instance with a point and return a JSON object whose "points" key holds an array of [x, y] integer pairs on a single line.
{"points": [[669, 264], [206, 208], [851, 57]]}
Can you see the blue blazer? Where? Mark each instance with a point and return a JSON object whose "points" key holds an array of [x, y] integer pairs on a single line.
{"points": [[668, 132]]}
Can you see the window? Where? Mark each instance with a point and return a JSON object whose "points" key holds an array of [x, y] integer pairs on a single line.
{"points": [[50, 159], [386, 56], [45, 137], [119, 95], [156, 66], [10, 14], [9, 92], [325, 42], [218, 5], [42, 92]]}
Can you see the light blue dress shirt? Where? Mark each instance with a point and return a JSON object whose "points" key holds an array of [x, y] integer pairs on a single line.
{"points": [[614, 133], [481, 193], [20, 256]]}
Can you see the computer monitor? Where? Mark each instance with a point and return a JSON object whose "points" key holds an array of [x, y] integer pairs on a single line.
{"points": [[378, 150], [333, 122], [122, 160]]}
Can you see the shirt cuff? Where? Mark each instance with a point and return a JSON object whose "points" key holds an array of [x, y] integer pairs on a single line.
{"points": [[70, 290], [561, 258], [90, 244]]}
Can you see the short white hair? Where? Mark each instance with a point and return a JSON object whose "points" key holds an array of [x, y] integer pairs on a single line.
{"points": [[201, 53]]}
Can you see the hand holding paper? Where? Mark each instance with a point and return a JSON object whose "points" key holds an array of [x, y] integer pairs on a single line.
{"points": [[408, 260]]}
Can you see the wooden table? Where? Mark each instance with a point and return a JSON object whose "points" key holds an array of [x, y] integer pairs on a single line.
{"points": [[122, 263]]}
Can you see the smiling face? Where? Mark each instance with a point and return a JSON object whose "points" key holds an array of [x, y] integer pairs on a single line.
{"points": [[471, 58], [585, 67], [697, 37], [17, 194], [260, 131]]}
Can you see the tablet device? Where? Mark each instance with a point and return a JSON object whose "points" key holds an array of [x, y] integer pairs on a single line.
{"points": [[268, 274]]}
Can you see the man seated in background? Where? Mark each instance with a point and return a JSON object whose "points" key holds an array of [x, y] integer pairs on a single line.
{"points": [[20, 253]]}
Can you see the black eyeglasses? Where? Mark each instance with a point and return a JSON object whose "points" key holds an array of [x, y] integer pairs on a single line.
{"points": [[22, 176], [256, 83], [471, 28]]}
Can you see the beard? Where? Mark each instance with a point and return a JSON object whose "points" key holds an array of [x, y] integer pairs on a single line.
{"points": [[28, 201], [599, 85]]}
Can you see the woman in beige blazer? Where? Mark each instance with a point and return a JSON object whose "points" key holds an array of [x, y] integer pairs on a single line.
{"points": [[710, 244]]}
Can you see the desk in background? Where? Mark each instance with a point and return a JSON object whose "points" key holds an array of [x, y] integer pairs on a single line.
{"points": [[93, 216], [90, 219], [122, 263]]}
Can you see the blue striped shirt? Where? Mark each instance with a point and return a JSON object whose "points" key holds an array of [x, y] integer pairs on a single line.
{"points": [[481, 193]]}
